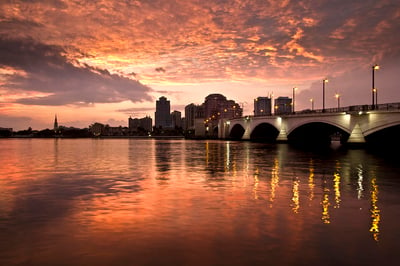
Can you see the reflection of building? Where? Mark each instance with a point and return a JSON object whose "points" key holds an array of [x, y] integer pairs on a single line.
{"points": [[283, 105], [192, 112], [262, 106], [145, 123], [162, 114], [176, 119]]}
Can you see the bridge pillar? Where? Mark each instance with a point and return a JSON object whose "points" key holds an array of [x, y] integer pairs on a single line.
{"points": [[282, 137], [356, 135], [247, 128], [223, 128]]}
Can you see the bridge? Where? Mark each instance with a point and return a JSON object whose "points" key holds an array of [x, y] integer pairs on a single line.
{"points": [[353, 125]]}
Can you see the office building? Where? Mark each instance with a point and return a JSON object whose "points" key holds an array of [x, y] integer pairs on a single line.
{"points": [[163, 113], [176, 119], [283, 105], [145, 123], [262, 106], [192, 112]]}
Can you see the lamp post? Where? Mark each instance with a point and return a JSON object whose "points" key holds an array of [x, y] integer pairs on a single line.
{"points": [[338, 100], [294, 89], [374, 92], [312, 104], [323, 94]]}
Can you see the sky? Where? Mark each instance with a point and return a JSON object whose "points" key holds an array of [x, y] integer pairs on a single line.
{"points": [[103, 61]]}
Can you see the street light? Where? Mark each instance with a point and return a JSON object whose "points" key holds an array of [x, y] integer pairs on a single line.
{"points": [[294, 89], [338, 100], [323, 94], [374, 91], [312, 104]]}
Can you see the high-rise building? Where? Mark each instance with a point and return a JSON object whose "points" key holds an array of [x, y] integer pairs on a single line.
{"points": [[163, 113], [283, 105], [262, 106], [176, 119]]}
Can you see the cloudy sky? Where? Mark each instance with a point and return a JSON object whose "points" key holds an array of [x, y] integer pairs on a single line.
{"points": [[104, 61]]}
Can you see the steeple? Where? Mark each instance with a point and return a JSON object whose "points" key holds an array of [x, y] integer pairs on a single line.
{"points": [[55, 124]]}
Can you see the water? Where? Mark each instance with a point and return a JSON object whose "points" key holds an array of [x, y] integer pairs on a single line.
{"points": [[180, 202]]}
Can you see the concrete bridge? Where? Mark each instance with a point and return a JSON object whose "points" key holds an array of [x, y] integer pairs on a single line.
{"points": [[354, 125]]}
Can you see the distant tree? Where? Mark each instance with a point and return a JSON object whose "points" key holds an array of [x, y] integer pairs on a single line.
{"points": [[46, 133], [76, 133]]}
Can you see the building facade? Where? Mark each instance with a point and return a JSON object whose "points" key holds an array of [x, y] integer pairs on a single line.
{"points": [[262, 106], [176, 119], [145, 123], [216, 107], [283, 105], [192, 112]]}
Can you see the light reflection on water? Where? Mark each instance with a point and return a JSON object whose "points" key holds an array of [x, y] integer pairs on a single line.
{"points": [[180, 202]]}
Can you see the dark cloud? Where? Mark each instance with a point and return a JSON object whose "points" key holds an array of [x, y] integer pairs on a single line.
{"points": [[45, 69], [160, 69]]}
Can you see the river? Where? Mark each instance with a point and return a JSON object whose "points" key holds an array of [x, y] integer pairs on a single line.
{"points": [[195, 202]]}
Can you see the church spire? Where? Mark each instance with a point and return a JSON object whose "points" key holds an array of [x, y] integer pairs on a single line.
{"points": [[55, 123]]}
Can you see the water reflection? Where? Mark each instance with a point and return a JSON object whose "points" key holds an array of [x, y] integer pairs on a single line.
{"points": [[274, 180], [192, 202], [311, 184], [325, 203], [336, 187], [375, 212], [162, 153], [360, 178], [295, 197]]}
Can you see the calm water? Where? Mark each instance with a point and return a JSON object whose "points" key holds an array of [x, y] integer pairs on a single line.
{"points": [[180, 202]]}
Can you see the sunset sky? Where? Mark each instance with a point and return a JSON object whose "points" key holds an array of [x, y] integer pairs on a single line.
{"points": [[103, 61]]}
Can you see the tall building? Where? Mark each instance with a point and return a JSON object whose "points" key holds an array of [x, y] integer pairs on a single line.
{"points": [[262, 106], [283, 105], [163, 113], [193, 111], [176, 119]]}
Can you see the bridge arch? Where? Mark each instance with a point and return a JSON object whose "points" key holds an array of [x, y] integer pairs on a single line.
{"points": [[236, 132], [340, 125], [384, 136], [265, 132], [380, 128], [317, 133]]}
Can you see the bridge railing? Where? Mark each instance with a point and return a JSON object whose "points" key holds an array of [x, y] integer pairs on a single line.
{"points": [[363, 108], [352, 108]]}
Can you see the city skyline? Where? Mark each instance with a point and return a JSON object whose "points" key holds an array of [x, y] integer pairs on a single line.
{"points": [[109, 60]]}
